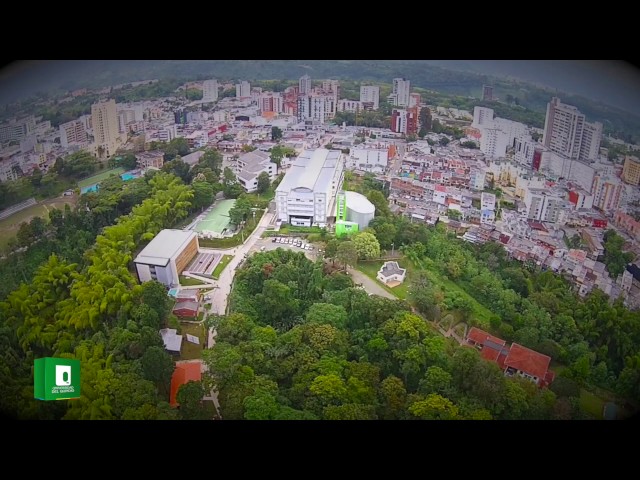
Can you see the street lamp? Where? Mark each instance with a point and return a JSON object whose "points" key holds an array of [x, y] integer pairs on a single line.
{"points": [[392, 247]]}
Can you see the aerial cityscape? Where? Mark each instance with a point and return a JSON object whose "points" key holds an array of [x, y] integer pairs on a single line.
{"points": [[442, 246]]}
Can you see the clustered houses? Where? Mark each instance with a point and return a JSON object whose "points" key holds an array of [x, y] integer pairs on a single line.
{"points": [[514, 360], [548, 193]]}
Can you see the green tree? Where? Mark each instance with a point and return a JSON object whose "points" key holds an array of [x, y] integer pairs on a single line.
{"points": [[393, 397], [154, 294], [276, 134], [380, 203], [434, 407], [350, 411], [263, 182], [203, 194], [178, 168], [366, 245], [189, 397], [331, 250], [347, 254], [158, 366]]}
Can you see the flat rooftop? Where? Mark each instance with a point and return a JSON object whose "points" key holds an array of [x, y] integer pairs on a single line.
{"points": [[164, 246]]}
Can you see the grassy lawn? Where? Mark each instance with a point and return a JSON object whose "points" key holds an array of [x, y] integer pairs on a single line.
{"points": [[191, 351], [370, 269], [187, 281], [99, 177], [591, 404], [481, 313], [10, 225], [221, 265]]}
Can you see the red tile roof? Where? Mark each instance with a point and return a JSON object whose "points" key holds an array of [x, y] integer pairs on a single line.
{"points": [[184, 373], [528, 361], [479, 336]]}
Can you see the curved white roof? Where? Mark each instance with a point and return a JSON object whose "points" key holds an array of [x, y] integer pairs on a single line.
{"points": [[359, 203]]}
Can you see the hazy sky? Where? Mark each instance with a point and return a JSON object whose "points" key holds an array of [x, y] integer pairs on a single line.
{"points": [[611, 81], [614, 82]]}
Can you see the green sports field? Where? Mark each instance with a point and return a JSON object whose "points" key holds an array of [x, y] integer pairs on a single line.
{"points": [[217, 219], [99, 177]]}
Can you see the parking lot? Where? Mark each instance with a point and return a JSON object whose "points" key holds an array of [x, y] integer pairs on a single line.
{"points": [[269, 244]]}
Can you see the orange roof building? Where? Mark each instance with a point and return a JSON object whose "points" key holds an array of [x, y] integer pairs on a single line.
{"points": [[184, 373], [513, 360]]}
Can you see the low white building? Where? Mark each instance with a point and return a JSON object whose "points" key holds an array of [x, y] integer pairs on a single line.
{"points": [[373, 160], [166, 256], [391, 272], [252, 164], [307, 194]]}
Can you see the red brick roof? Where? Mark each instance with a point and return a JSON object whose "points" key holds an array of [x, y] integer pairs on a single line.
{"points": [[184, 373], [528, 361], [488, 342], [479, 336]]}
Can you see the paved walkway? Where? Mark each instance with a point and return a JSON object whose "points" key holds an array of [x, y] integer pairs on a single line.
{"points": [[220, 294], [369, 285]]}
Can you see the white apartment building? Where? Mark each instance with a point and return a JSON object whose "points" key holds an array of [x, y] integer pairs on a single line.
{"points": [[563, 129], [106, 135], [370, 94], [125, 117], [252, 164], [525, 181], [243, 89], [349, 106], [545, 206], [331, 87], [7, 172], [373, 160], [73, 132], [210, 90], [401, 92], [525, 148], [320, 108], [307, 194], [567, 133], [482, 116], [17, 129], [304, 85], [558, 166], [493, 142], [591, 138], [167, 133], [476, 179], [511, 129]]}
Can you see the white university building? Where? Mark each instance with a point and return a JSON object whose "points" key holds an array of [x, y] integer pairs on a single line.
{"points": [[307, 194]]}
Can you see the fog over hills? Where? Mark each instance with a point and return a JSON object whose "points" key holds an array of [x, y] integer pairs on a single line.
{"points": [[612, 82]]}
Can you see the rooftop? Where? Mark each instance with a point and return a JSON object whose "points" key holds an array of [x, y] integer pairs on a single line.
{"points": [[172, 341], [526, 360], [312, 170], [164, 246], [184, 373], [391, 268]]}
